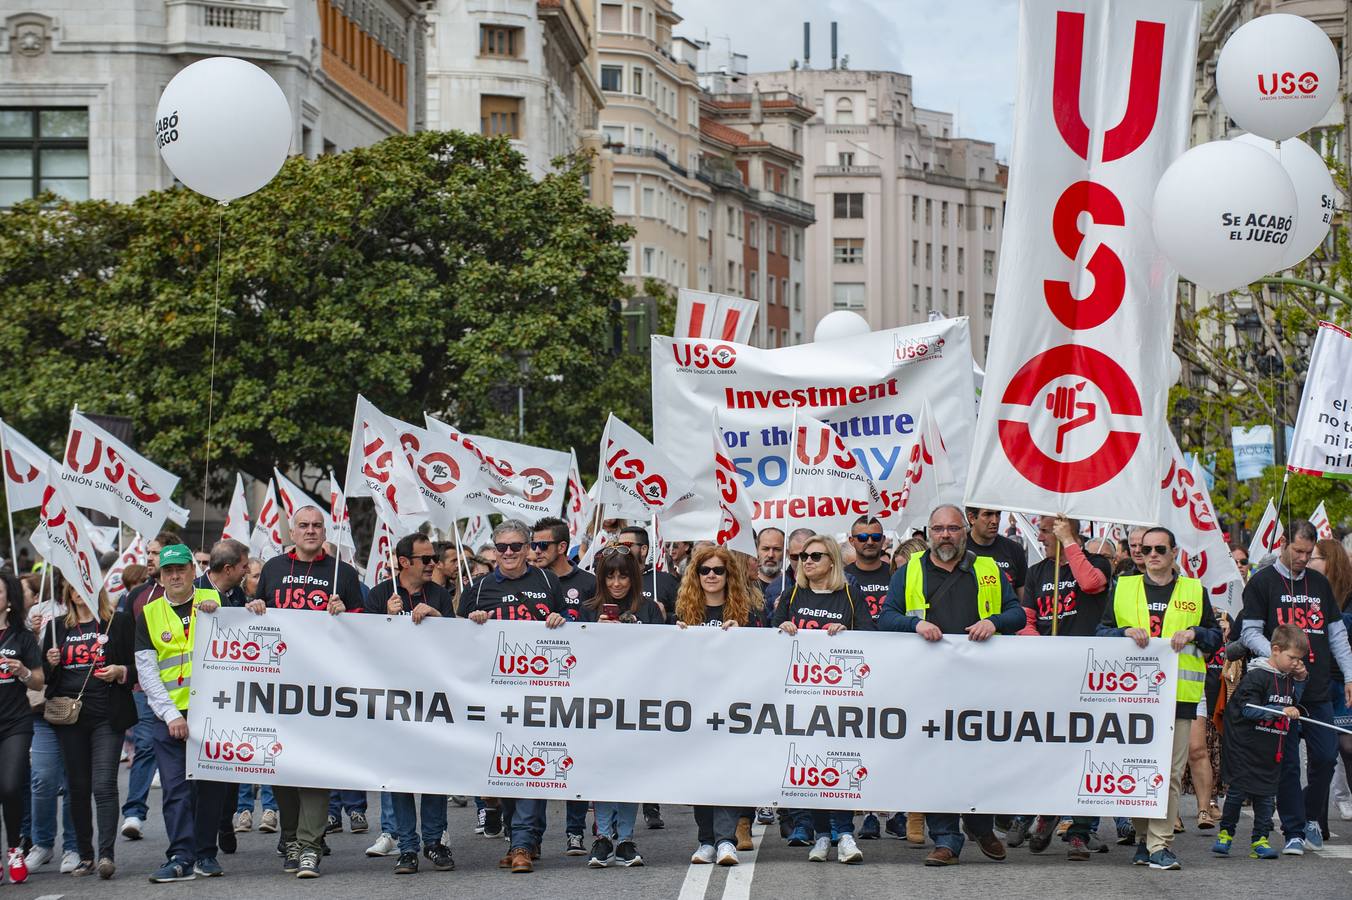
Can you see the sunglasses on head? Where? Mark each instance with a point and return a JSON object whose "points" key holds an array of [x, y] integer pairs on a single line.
{"points": [[712, 570], [1161, 549], [513, 547], [616, 550], [869, 536]]}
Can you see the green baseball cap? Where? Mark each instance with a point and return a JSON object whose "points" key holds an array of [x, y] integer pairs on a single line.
{"points": [[176, 555]]}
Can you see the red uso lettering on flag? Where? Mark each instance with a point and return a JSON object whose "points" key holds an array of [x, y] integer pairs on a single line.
{"points": [[15, 475], [700, 357], [625, 466], [1185, 496], [52, 519], [114, 467], [725, 476], [378, 466]]}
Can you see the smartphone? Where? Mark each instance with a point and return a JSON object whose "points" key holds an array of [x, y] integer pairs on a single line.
{"points": [[610, 610]]}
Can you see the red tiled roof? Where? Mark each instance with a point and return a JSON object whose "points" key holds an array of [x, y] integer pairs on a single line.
{"points": [[720, 132]]}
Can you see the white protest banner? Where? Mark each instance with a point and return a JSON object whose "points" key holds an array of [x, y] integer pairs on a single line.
{"points": [[1267, 537], [1075, 380], [577, 508], [447, 471], [1322, 441], [735, 516], [102, 473], [477, 533], [377, 466], [63, 539], [237, 519], [829, 489], [928, 475], [340, 523], [700, 314], [378, 559], [25, 467], [1187, 511], [868, 388], [636, 475], [292, 495], [520, 481], [266, 540], [1253, 450], [1320, 520], [809, 721], [133, 555]]}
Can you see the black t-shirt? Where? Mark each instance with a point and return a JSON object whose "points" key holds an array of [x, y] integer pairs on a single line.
{"points": [[530, 597], [1253, 747], [82, 651], [872, 586], [667, 587], [813, 609], [289, 583], [577, 587], [1008, 555], [17, 645], [647, 613], [431, 593], [1306, 602], [1080, 613]]}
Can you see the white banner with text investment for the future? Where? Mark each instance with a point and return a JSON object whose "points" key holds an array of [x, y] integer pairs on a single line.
{"points": [[1075, 384], [512, 709]]}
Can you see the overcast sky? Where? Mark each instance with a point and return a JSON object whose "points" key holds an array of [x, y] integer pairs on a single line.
{"points": [[960, 53]]}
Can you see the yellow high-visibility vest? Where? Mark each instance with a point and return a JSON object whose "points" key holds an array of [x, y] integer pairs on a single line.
{"points": [[989, 594], [1183, 612], [174, 652]]}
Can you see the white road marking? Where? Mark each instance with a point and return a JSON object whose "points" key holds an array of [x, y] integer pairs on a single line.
{"points": [[739, 876], [696, 882], [1335, 852]]}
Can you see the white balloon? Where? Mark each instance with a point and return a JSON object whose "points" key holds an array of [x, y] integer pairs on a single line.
{"points": [[1175, 368], [223, 127], [1277, 75], [1224, 214], [1316, 199], [840, 324]]}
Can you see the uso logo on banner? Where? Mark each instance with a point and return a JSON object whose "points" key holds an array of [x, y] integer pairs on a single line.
{"points": [[837, 672], [1133, 779], [545, 662], [1116, 679], [537, 764], [700, 358], [834, 775], [258, 648], [252, 750]]}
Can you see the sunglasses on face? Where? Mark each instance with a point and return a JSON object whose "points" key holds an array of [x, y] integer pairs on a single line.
{"points": [[1242, 562], [513, 547], [876, 536], [1160, 549], [426, 559], [815, 556], [542, 545], [712, 570]]}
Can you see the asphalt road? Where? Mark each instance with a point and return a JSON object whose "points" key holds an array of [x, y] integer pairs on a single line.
{"points": [[775, 870]]}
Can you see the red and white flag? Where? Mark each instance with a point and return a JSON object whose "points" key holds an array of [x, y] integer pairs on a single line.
{"points": [[700, 314], [25, 467], [1075, 384], [133, 555], [828, 487], [1267, 538], [928, 472], [736, 517], [237, 519], [102, 473], [1187, 511], [514, 480], [577, 507], [634, 473], [378, 559], [63, 539], [377, 466], [266, 540], [477, 533], [449, 473], [1320, 520], [292, 495], [340, 523]]}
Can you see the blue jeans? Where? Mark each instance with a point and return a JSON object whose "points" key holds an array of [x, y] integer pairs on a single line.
{"points": [[387, 823], [823, 821], [577, 817], [249, 793], [1294, 805], [347, 801], [433, 807], [142, 762], [49, 780], [1262, 813], [527, 821], [614, 820], [946, 830]]}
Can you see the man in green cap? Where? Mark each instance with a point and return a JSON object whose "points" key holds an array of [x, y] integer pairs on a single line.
{"points": [[164, 639]]}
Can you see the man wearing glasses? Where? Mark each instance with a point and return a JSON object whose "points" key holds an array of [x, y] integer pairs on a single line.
{"points": [[1162, 604], [871, 575], [549, 551], [1241, 558], [515, 591]]}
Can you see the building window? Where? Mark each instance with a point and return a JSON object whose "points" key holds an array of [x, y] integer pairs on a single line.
{"points": [[981, 173], [847, 295], [784, 291], [959, 220], [501, 41], [844, 111], [915, 253], [649, 260], [929, 212], [636, 20], [943, 259], [613, 134], [962, 258], [612, 17], [797, 297], [849, 251], [649, 202], [702, 222], [988, 262], [771, 243], [929, 256], [915, 209], [636, 81], [753, 286], [845, 159], [623, 200], [929, 298], [915, 298], [770, 290], [500, 116], [753, 234], [43, 150], [988, 306], [962, 303], [849, 206], [944, 295], [943, 214], [612, 78], [797, 244], [988, 218]]}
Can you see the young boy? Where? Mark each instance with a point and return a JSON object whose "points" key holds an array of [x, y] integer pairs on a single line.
{"points": [[1255, 739]]}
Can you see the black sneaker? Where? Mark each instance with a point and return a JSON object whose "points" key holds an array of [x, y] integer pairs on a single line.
{"points": [[652, 816], [407, 864], [358, 824], [291, 857], [440, 855], [324, 847], [492, 823], [227, 841], [281, 845], [333, 825], [309, 865], [602, 853], [575, 846], [626, 854]]}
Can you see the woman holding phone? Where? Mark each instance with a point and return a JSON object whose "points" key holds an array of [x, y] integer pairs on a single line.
{"points": [[91, 660]]}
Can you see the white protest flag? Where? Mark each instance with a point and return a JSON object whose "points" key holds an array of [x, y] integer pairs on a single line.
{"points": [[237, 519], [1267, 538], [102, 473], [377, 466], [448, 473], [598, 543], [1187, 511], [1320, 520], [1322, 441], [266, 540], [577, 507], [828, 487], [736, 517], [477, 533], [340, 523], [928, 473], [1028, 532], [635, 473], [518, 481], [1084, 308], [292, 495], [378, 559], [63, 539], [25, 467], [700, 314], [104, 538], [133, 555]]}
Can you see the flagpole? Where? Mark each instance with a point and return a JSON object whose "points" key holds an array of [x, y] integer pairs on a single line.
{"points": [[1056, 587], [9, 512], [462, 564], [784, 561], [657, 551]]}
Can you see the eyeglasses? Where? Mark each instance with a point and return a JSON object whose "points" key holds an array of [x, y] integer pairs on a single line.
{"points": [[426, 559], [815, 556], [616, 550], [712, 570], [1161, 549], [876, 536], [1242, 562], [543, 545], [513, 547], [946, 529]]}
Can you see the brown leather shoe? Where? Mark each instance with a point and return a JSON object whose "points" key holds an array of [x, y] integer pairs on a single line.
{"points": [[941, 856], [521, 863], [743, 834], [506, 861], [991, 846], [915, 829]]}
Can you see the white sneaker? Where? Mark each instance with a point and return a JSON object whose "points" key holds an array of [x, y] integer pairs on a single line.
{"points": [[38, 856], [385, 845], [269, 823], [819, 850], [131, 828], [1345, 810], [244, 821], [847, 851], [704, 856], [727, 854], [70, 861], [155, 779]]}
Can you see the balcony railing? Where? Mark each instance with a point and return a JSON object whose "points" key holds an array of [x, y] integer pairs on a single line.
{"points": [[245, 27], [849, 170], [786, 204]]}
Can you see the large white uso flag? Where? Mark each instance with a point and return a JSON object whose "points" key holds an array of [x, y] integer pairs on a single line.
{"points": [[635, 474], [25, 468], [1187, 511], [518, 481], [102, 473], [868, 388], [377, 466], [1084, 308], [63, 539]]}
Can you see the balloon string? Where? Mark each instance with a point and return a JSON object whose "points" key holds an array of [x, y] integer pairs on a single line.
{"points": [[211, 382]]}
